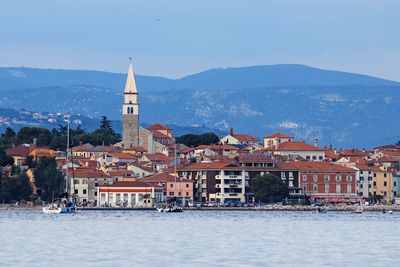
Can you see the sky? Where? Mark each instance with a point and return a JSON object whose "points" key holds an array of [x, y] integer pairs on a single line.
{"points": [[177, 38]]}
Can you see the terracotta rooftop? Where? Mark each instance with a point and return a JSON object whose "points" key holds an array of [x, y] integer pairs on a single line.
{"points": [[297, 146], [278, 135], [245, 137], [157, 126], [209, 165], [22, 151], [320, 166], [157, 157], [122, 155], [129, 184], [87, 173]]}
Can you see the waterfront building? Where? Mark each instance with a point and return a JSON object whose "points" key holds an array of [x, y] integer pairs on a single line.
{"points": [[238, 139], [396, 186], [129, 194], [326, 181], [273, 140], [174, 187], [84, 183], [382, 184], [364, 176]]}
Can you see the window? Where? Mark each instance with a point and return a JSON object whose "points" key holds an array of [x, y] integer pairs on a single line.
{"points": [[361, 178], [385, 183], [84, 191], [76, 181], [348, 188], [327, 188], [361, 186], [321, 157], [338, 188], [76, 191], [338, 178], [283, 175], [171, 185], [384, 175], [304, 178], [349, 178], [171, 194], [307, 157], [394, 183], [95, 193], [187, 194], [187, 185], [315, 188], [314, 157], [179, 193], [327, 178], [96, 184], [133, 199], [361, 172], [102, 197], [84, 181], [315, 178]]}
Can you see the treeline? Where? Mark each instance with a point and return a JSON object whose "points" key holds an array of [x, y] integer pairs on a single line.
{"points": [[49, 182], [57, 137], [193, 140]]}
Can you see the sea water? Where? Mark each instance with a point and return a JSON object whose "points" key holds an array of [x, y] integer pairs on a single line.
{"points": [[199, 238]]}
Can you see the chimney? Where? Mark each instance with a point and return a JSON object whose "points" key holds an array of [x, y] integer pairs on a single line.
{"points": [[231, 132]]}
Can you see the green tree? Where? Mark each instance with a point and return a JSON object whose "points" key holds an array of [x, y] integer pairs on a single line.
{"points": [[15, 188], [48, 178], [196, 139], [28, 134], [23, 189], [268, 188], [4, 159]]}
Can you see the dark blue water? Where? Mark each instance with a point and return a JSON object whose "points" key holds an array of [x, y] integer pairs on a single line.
{"points": [[199, 238]]}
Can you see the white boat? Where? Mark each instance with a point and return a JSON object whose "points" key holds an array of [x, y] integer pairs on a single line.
{"points": [[170, 208], [58, 208]]}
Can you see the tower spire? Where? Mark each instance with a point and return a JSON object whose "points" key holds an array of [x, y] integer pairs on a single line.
{"points": [[130, 86]]}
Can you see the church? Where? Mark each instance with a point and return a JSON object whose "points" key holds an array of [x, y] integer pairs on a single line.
{"points": [[154, 139]]}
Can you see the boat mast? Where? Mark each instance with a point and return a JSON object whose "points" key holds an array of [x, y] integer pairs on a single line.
{"points": [[67, 157]]}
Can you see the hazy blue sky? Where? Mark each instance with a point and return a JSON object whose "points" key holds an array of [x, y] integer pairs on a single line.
{"points": [[358, 36]]}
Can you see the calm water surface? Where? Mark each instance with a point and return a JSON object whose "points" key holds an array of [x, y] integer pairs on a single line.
{"points": [[199, 238]]}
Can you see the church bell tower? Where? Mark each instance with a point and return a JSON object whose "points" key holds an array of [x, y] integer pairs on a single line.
{"points": [[130, 112]]}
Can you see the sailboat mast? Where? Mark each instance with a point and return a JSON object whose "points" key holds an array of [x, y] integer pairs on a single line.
{"points": [[67, 157]]}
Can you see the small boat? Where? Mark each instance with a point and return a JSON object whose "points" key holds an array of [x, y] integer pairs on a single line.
{"points": [[170, 208], [387, 211], [320, 210], [57, 208], [358, 210]]}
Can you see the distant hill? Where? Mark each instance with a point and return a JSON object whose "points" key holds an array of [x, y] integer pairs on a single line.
{"points": [[343, 109], [214, 79]]}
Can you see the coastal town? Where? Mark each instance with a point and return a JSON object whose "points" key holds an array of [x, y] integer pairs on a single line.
{"points": [[148, 166]]}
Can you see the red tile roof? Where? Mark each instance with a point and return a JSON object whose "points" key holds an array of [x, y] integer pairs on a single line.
{"points": [[87, 173], [129, 184], [157, 126], [158, 134], [319, 166], [22, 151], [209, 165], [278, 135], [186, 150], [157, 157], [297, 146], [217, 147], [123, 155], [162, 177], [245, 137]]}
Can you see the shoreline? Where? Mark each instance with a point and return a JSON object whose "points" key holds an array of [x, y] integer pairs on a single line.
{"points": [[394, 208]]}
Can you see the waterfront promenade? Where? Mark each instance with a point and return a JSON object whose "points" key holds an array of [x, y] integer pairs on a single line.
{"points": [[373, 208]]}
